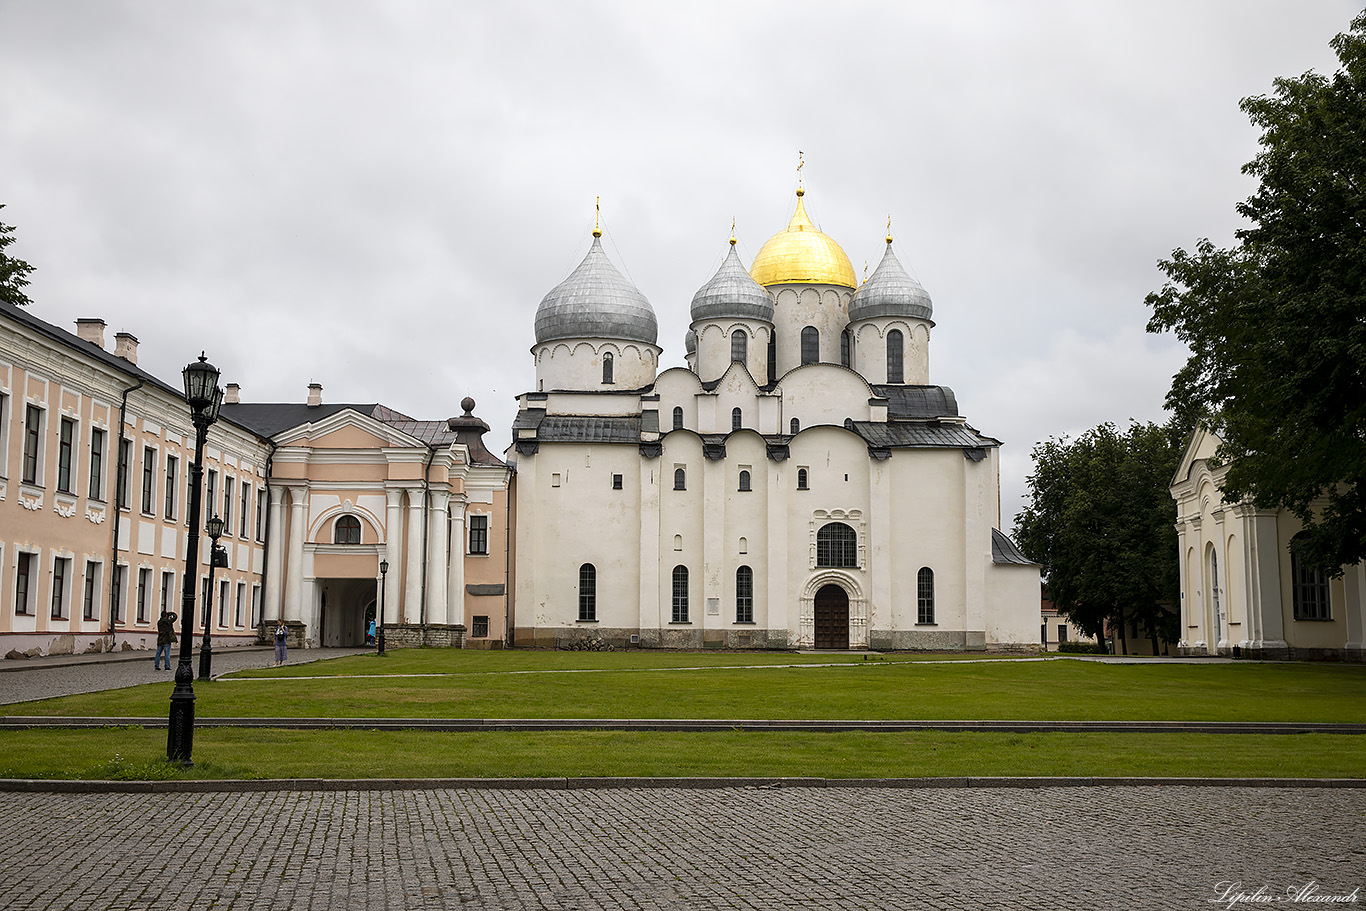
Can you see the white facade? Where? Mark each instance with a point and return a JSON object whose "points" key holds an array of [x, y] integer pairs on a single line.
{"points": [[721, 506], [1241, 586]]}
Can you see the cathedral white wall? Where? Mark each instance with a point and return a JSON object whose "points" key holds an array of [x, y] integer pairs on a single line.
{"points": [[714, 347], [824, 394], [578, 364], [870, 349], [796, 306]]}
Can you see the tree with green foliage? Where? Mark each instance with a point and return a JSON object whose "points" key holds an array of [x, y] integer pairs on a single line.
{"points": [[1277, 324], [1100, 522], [13, 272]]}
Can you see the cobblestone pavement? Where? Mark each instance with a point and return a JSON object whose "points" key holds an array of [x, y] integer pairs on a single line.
{"points": [[748, 848], [42, 681]]}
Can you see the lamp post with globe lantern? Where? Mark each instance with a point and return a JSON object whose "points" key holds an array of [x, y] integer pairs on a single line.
{"points": [[204, 398], [217, 557], [383, 578]]}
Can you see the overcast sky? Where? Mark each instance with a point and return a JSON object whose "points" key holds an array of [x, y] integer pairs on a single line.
{"points": [[376, 196]]}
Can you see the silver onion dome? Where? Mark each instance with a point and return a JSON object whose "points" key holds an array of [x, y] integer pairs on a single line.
{"points": [[732, 294], [890, 292], [690, 343], [596, 301]]}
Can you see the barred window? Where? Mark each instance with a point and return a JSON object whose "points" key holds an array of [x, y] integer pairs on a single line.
{"points": [[744, 480], [925, 595], [678, 417], [895, 363], [811, 345], [346, 531], [480, 628], [739, 346], [680, 479], [680, 603], [836, 546], [588, 592], [737, 419], [801, 479], [607, 367], [744, 595], [846, 349]]}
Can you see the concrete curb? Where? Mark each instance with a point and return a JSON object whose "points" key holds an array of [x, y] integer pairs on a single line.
{"points": [[698, 725], [64, 786]]}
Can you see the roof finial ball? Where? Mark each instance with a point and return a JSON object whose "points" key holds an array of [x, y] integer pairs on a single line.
{"points": [[467, 403], [597, 216], [889, 229]]}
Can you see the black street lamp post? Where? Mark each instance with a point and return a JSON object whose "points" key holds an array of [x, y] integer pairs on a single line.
{"points": [[383, 580], [203, 396], [217, 557]]}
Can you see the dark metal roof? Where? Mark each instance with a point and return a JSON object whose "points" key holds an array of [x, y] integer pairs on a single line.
{"points": [[570, 428], [906, 435], [270, 418], [918, 402], [1003, 550]]}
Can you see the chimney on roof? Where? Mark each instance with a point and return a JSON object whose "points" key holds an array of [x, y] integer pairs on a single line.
{"points": [[126, 347], [90, 330], [315, 394], [233, 395]]}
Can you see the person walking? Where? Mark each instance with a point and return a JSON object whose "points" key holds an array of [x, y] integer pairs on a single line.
{"points": [[281, 643], [165, 639]]}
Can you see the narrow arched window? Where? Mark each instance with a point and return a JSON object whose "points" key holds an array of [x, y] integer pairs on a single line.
{"points": [[744, 595], [346, 531], [739, 346], [1308, 590], [801, 479], [772, 357], [744, 480], [837, 545], [737, 418], [678, 417], [588, 592], [680, 479], [607, 367], [811, 345], [924, 595], [846, 352], [680, 612], [895, 361], [795, 425]]}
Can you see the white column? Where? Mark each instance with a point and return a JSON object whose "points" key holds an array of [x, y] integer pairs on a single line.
{"points": [[294, 585], [455, 569], [393, 539], [275, 554], [412, 573], [438, 522]]}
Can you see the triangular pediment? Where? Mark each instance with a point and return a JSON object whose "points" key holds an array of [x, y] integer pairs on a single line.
{"points": [[1201, 445], [347, 429]]}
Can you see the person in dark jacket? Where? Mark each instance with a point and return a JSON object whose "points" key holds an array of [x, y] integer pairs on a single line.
{"points": [[165, 639], [281, 643]]}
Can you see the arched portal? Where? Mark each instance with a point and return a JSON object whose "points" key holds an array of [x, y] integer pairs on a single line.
{"points": [[832, 617]]}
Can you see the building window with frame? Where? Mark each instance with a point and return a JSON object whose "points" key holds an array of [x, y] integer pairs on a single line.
{"points": [[607, 367], [680, 479], [172, 484], [680, 592], [846, 349], [125, 467], [801, 479], [1308, 590], [479, 629], [210, 494], [144, 579], [794, 426], [90, 609], [737, 419], [744, 480], [678, 417], [96, 491], [167, 592], [836, 546], [616, 482], [924, 595], [744, 595], [588, 593], [116, 587], [229, 488], [239, 618], [23, 583], [61, 572], [479, 535], [346, 530], [1062, 632], [261, 514], [244, 522], [739, 346], [33, 444], [149, 478], [223, 588], [66, 440], [895, 357], [811, 345]]}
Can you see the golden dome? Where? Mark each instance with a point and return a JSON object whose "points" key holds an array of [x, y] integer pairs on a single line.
{"points": [[800, 253]]}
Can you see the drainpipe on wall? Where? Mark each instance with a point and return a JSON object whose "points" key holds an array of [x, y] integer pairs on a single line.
{"points": [[118, 514], [265, 547], [426, 530], [507, 558]]}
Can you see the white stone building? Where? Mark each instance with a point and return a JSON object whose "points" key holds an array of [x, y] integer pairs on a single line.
{"points": [[799, 484], [1240, 584]]}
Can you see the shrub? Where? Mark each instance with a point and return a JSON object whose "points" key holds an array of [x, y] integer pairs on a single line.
{"points": [[1084, 648]]}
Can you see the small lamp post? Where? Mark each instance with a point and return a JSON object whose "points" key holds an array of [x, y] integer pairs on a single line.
{"points": [[383, 580], [215, 529], [203, 396]]}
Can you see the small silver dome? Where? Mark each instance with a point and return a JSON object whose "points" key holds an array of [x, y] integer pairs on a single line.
{"points": [[732, 294], [596, 301], [690, 343], [890, 292]]}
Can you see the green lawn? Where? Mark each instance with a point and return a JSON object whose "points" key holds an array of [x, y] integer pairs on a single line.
{"points": [[242, 753], [473, 684]]}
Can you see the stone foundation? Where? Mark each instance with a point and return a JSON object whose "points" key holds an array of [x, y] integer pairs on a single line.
{"points": [[927, 640], [418, 636]]}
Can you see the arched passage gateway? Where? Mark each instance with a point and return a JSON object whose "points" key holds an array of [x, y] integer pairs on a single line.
{"points": [[832, 617]]}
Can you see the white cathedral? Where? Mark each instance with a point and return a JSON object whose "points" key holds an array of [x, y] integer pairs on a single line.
{"points": [[800, 484]]}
